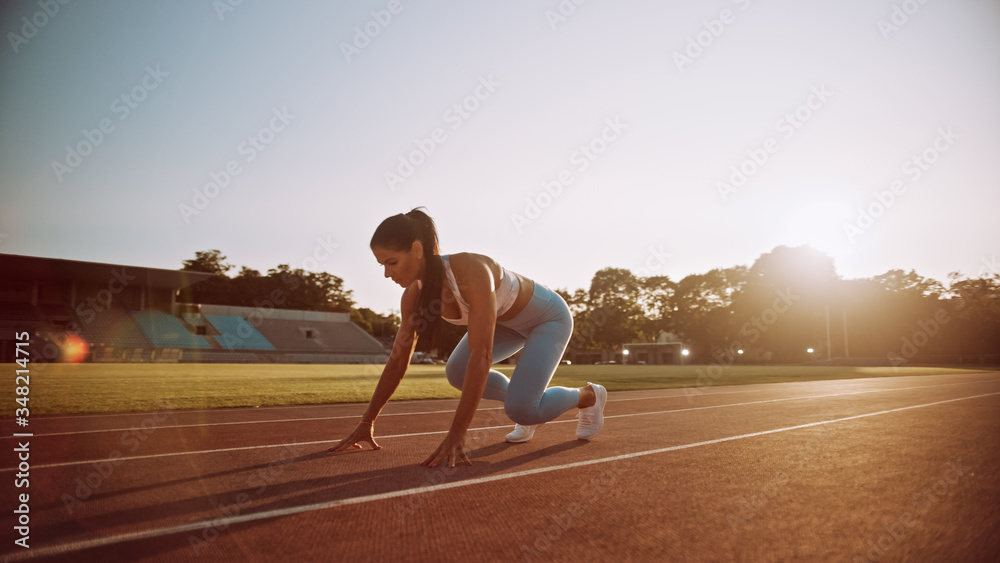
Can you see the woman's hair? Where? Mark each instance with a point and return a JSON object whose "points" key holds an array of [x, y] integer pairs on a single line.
{"points": [[399, 233]]}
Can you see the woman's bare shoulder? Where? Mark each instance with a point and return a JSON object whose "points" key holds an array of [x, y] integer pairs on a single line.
{"points": [[470, 259], [410, 298], [464, 263]]}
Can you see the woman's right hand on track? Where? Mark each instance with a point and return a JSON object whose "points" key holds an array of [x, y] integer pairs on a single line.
{"points": [[363, 433]]}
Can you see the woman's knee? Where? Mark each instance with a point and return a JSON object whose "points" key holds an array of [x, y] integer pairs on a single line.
{"points": [[455, 373], [521, 413]]}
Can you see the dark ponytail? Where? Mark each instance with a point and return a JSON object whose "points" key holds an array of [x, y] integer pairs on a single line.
{"points": [[398, 233]]}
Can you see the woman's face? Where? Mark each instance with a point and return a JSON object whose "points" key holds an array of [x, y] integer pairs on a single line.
{"points": [[402, 267]]}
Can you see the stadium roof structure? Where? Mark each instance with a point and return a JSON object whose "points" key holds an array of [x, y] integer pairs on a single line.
{"points": [[17, 267]]}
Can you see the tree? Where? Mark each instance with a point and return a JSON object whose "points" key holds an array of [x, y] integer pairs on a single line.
{"points": [[785, 300], [703, 307], [909, 284], [379, 326], [287, 288], [972, 317], [585, 321], [213, 290], [247, 286], [881, 312], [208, 261], [310, 291], [614, 294], [656, 300]]}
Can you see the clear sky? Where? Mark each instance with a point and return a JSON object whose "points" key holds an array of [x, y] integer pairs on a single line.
{"points": [[636, 115]]}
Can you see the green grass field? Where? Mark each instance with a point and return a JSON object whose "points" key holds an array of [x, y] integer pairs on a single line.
{"points": [[102, 388]]}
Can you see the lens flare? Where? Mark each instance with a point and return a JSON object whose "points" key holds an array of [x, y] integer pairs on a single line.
{"points": [[74, 349]]}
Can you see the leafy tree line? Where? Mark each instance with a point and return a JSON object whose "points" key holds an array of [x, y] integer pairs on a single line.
{"points": [[296, 289], [776, 308]]}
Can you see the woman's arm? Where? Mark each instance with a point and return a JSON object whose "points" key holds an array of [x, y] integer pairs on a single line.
{"points": [[476, 285], [392, 374], [399, 359]]}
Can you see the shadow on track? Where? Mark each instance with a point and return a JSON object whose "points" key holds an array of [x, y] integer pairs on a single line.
{"points": [[272, 486]]}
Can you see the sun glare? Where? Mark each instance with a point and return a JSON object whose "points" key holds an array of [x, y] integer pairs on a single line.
{"points": [[820, 225]]}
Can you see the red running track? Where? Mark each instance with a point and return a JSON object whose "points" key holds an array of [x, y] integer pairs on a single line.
{"points": [[888, 469]]}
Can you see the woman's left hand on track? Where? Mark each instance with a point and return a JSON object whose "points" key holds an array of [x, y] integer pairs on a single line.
{"points": [[364, 432], [452, 449]]}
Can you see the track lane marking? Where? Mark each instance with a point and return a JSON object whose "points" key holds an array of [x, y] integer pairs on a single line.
{"points": [[449, 411], [227, 521], [439, 432], [408, 401]]}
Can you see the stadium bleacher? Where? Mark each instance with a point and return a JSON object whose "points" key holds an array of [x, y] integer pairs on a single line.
{"points": [[235, 333], [314, 336], [167, 331], [131, 314], [115, 328]]}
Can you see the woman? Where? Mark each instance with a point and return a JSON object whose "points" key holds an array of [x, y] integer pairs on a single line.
{"points": [[505, 312]]}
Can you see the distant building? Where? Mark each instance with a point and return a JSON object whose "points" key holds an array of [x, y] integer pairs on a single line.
{"points": [[665, 351]]}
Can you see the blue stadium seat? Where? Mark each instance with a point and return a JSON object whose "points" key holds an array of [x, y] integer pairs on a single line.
{"points": [[112, 327], [167, 331], [235, 333]]}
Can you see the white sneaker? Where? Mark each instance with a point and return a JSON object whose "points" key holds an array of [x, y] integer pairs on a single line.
{"points": [[521, 433], [592, 418]]}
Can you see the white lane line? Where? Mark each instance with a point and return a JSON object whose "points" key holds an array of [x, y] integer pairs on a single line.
{"points": [[158, 427], [226, 521], [269, 408], [711, 391], [449, 411], [438, 432], [236, 423]]}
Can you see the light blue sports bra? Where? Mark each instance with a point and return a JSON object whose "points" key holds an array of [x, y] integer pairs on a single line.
{"points": [[506, 292]]}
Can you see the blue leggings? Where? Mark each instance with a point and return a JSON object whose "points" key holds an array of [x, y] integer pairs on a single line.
{"points": [[543, 330]]}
